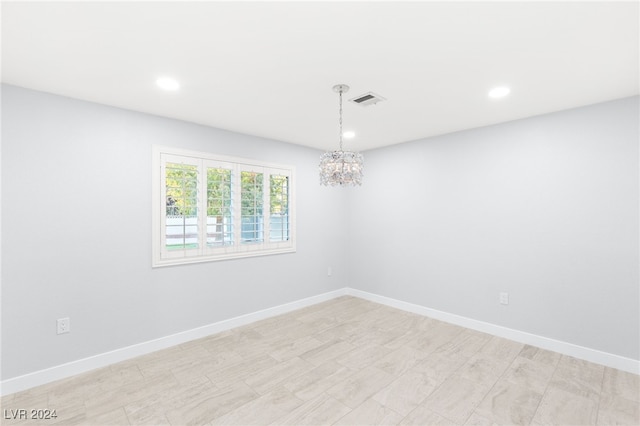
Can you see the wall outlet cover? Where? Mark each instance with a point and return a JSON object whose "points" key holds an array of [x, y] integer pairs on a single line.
{"points": [[64, 325]]}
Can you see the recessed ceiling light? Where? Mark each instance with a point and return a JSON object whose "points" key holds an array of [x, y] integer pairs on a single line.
{"points": [[168, 83], [348, 135], [499, 92]]}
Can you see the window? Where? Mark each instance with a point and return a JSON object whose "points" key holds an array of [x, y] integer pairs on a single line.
{"points": [[208, 207]]}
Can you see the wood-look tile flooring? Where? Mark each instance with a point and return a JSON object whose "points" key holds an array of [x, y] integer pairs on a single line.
{"points": [[344, 362]]}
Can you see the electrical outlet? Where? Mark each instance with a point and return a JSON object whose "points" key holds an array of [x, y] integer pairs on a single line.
{"points": [[329, 271], [64, 325], [504, 298]]}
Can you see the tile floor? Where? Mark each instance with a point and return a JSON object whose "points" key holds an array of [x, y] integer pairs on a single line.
{"points": [[344, 362]]}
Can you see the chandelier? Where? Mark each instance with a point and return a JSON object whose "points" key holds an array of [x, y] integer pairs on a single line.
{"points": [[341, 167]]}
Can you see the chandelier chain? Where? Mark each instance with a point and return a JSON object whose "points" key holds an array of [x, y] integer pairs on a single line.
{"points": [[341, 119]]}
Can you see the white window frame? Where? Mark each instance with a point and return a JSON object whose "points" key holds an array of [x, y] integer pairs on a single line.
{"points": [[163, 257]]}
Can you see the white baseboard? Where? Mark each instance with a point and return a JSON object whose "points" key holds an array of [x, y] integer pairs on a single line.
{"points": [[58, 372], [587, 354]]}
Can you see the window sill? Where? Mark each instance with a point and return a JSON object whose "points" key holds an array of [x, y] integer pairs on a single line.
{"points": [[159, 263]]}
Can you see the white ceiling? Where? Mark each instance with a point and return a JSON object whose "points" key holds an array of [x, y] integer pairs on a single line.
{"points": [[267, 68]]}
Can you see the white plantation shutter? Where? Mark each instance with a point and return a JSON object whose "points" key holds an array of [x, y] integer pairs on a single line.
{"points": [[180, 222], [209, 207], [219, 194], [279, 207]]}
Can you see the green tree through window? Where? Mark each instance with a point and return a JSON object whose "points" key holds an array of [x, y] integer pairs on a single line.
{"points": [[219, 207], [252, 206], [279, 207], [182, 206]]}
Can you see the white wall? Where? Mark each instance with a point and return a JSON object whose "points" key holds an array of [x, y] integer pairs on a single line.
{"points": [[87, 167], [544, 208]]}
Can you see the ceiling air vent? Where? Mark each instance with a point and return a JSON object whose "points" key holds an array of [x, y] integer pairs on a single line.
{"points": [[367, 99]]}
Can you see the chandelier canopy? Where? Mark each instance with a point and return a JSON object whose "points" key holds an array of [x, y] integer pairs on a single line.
{"points": [[341, 167]]}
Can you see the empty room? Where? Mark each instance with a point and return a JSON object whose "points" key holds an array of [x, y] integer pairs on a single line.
{"points": [[319, 213]]}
